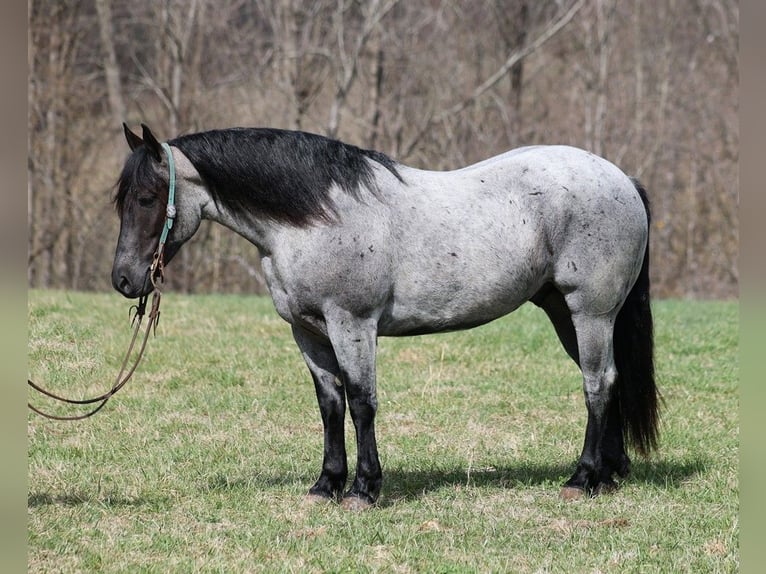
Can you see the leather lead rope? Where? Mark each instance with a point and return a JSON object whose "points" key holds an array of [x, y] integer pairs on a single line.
{"points": [[122, 378], [156, 274]]}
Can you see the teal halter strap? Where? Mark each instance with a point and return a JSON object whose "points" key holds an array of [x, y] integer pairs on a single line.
{"points": [[171, 209]]}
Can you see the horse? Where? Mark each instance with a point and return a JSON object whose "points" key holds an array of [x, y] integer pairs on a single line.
{"points": [[355, 245]]}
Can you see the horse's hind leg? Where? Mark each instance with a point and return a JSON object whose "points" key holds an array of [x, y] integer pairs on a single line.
{"points": [[603, 453], [550, 300], [322, 363], [611, 446]]}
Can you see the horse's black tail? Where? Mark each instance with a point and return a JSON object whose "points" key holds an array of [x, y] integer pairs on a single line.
{"points": [[634, 358]]}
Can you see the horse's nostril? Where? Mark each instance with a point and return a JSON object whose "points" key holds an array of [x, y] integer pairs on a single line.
{"points": [[123, 285]]}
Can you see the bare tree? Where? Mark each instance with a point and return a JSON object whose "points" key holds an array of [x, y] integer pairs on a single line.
{"points": [[348, 57], [111, 69], [513, 22], [57, 39], [517, 56]]}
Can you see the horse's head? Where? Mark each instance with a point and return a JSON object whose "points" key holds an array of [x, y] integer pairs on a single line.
{"points": [[141, 201]]}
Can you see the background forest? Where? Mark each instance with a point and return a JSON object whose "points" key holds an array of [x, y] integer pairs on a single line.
{"points": [[651, 85]]}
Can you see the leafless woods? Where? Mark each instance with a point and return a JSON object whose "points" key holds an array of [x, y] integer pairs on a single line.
{"points": [[651, 85]]}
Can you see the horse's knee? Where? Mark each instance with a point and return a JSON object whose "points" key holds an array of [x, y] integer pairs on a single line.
{"points": [[363, 408]]}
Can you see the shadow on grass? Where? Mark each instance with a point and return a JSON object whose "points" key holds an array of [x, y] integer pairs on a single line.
{"points": [[403, 484], [668, 473], [406, 484], [399, 484], [113, 500]]}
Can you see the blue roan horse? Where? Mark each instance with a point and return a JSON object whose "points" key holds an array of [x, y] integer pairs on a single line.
{"points": [[355, 245]]}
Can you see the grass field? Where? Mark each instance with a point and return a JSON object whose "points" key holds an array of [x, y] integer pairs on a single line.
{"points": [[201, 462]]}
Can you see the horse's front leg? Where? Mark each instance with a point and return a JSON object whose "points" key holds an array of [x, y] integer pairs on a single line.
{"points": [[321, 361], [355, 341]]}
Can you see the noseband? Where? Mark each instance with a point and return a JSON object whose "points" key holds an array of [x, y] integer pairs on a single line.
{"points": [[156, 273]]}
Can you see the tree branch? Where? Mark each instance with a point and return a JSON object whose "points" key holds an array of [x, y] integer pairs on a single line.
{"points": [[513, 59]]}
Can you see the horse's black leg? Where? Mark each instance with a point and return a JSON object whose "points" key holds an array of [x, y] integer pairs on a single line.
{"points": [[355, 342], [321, 361], [603, 452], [613, 453], [613, 447]]}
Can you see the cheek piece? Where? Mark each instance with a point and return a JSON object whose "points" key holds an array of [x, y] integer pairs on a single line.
{"points": [[157, 270]]}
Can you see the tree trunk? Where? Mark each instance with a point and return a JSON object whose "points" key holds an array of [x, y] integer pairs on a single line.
{"points": [[111, 69]]}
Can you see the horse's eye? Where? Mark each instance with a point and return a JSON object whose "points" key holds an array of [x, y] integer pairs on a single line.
{"points": [[146, 201]]}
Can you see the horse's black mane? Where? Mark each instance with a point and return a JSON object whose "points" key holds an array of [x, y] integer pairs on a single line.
{"points": [[278, 174], [282, 175]]}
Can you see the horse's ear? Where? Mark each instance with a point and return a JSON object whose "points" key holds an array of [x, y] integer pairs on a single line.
{"points": [[151, 142], [133, 140]]}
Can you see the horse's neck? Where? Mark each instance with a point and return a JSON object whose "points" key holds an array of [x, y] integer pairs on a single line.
{"points": [[196, 201], [257, 231]]}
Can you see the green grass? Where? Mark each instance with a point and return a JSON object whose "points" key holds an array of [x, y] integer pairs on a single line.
{"points": [[201, 462]]}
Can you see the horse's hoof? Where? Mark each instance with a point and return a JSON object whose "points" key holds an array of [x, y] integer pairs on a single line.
{"points": [[315, 500], [355, 503], [572, 493]]}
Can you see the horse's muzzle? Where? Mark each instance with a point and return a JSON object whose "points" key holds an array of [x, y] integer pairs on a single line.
{"points": [[131, 288]]}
